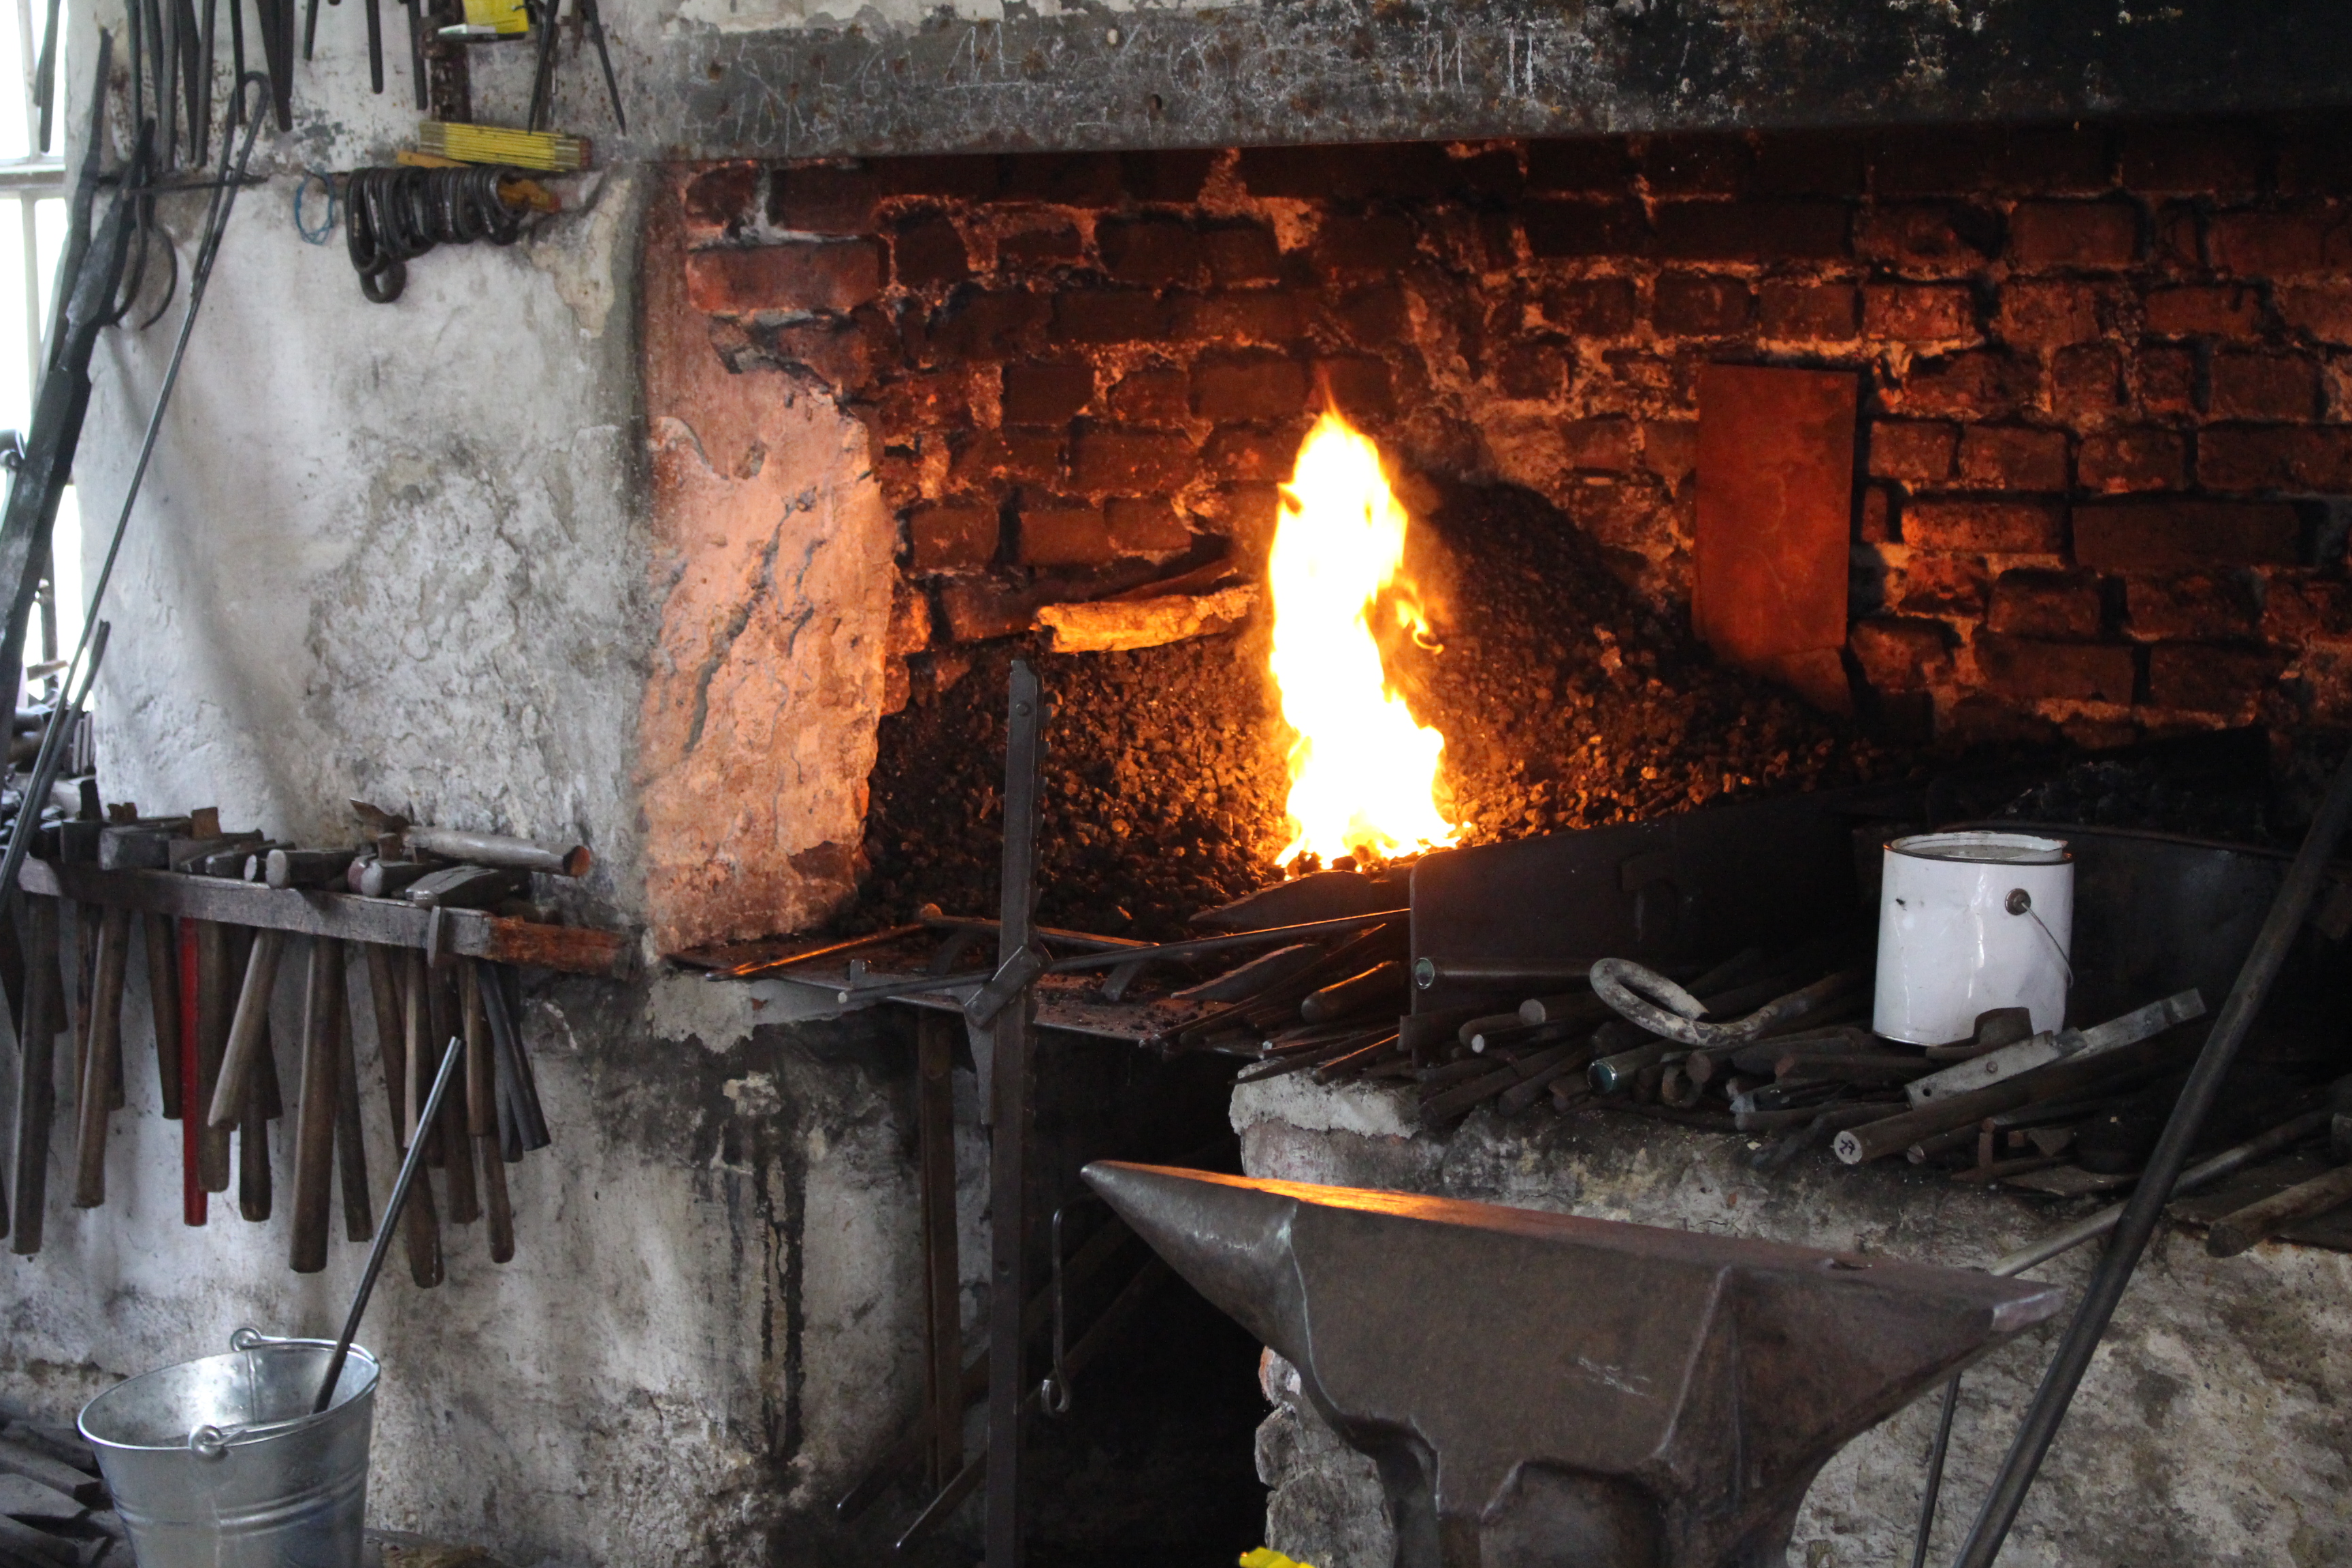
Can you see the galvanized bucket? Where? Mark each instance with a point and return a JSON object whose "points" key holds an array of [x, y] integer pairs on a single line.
{"points": [[219, 1463]]}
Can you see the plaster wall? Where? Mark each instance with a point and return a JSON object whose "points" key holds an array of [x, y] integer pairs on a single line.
{"points": [[409, 553], [2210, 1428]]}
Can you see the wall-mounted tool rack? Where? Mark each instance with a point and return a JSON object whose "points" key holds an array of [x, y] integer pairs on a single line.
{"points": [[440, 933]]}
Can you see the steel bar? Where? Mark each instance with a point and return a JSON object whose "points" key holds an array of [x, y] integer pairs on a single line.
{"points": [[1011, 1037], [942, 1274], [400, 1186], [349, 916], [2146, 1206]]}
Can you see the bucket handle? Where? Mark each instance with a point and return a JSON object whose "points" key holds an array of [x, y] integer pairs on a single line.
{"points": [[209, 1441], [249, 1338], [2020, 902]]}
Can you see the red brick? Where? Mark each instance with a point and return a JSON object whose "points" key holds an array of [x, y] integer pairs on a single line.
{"points": [[1690, 304], [823, 198], [2013, 458], [2074, 234], [2167, 378], [2254, 385], [2043, 602], [2137, 457], [1390, 168], [1358, 385], [1376, 242], [2275, 458], [838, 275], [929, 253], [1110, 316], [977, 611], [1584, 228], [2204, 157], [1063, 533], [2222, 310], [1535, 369], [2206, 604], [1937, 584], [1240, 253], [949, 535], [2179, 238], [2086, 381], [1377, 315], [1133, 462], [1985, 527], [2175, 534], [1811, 163], [1157, 395], [1977, 384], [1670, 450], [2082, 672], [1902, 654], [1932, 236], [1169, 175], [1599, 446], [1759, 231], [1236, 452], [1919, 312], [1149, 251], [1593, 308], [1696, 163], [995, 455], [972, 177], [1918, 452], [721, 198], [1064, 179], [1877, 525], [1944, 159], [2323, 311], [1047, 394], [2205, 679], [1145, 525], [982, 325], [1240, 316], [2303, 610], [1247, 385], [2048, 314], [2280, 243], [934, 400], [1826, 311], [836, 351], [1038, 250]]}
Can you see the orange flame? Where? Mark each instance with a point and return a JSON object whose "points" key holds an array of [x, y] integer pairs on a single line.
{"points": [[1363, 772]]}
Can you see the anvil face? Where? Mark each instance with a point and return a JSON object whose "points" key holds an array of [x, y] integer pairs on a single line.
{"points": [[1540, 1389]]}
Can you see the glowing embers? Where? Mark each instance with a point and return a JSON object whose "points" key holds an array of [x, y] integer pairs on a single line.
{"points": [[1363, 772]]}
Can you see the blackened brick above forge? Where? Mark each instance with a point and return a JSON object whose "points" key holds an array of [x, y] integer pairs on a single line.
{"points": [[1374, 242], [1252, 453], [1110, 316], [949, 535], [2307, 239], [1590, 307], [2042, 602], [1035, 250], [2133, 457], [2050, 313], [1919, 312], [1360, 386], [2253, 385], [982, 324], [1393, 170], [1562, 229], [1152, 395], [1691, 304], [1133, 462], [2307, 458], [1920, 452], [2031, 668], [2203, 679], [1928, 236], [722, 199], [1962, 161], [1149, 251], [1247, 386], [1239, 316], [928, 252], [2013, 458], [1902, 654], [2174, 533], [1599, 165], [2215, 604], [1755, 231], [2204, 310], [1980, 384], [1810, 312], [2205, 157], [823, 198], [1047, 394], [2089, 235], [1976, 526], [1240, 253]]}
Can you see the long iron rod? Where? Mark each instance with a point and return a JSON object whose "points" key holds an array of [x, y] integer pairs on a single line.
{"points": [[2138, 1220], [389, 1224]]}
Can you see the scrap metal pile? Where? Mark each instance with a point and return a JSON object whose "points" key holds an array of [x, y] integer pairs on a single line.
{"points": [[55, 1510]]}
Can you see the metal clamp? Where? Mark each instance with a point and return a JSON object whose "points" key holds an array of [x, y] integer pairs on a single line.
{"points": [[1012, 978]]}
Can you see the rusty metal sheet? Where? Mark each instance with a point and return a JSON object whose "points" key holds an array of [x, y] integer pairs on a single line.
{"points": [[1774, 511]]}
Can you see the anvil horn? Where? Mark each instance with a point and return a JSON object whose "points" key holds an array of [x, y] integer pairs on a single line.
{"points": [[1539, 1389]]}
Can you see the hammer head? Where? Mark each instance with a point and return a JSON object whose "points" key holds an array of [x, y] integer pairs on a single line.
{"points": [[1539, 1389]]}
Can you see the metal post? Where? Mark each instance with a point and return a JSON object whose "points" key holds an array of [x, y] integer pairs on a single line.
{"points": [[1009, 1033]]}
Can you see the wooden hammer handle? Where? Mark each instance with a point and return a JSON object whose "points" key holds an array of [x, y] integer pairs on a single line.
{"points": [[314, 1133], [351, 1143], [247, 1029], [163, 1007], [36, 1088], [102, 1060]]}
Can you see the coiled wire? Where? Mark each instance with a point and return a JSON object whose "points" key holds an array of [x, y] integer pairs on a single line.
{"points": [[393, 215]]}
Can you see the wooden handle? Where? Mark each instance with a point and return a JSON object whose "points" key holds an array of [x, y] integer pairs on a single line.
{"points": [[351, 1143], [254, 1187], [102, 1060], [457, 1142], [247, 1028], [77, 928], [416, 1027], [216, 994], [314, 1133], [499, 850], [192, 1132], [36, 1088], [420, 1225], [497, 1207], [163, 1007], [391, 1033], [481, 1065], [2258, 1221]]}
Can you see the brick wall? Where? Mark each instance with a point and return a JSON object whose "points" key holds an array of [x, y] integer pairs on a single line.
{"points": [[2108, 371]]}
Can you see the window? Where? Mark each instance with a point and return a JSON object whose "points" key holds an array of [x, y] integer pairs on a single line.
{"points": [[32, 231]]}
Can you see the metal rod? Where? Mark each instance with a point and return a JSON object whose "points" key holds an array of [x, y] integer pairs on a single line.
{"points": [[384, 1231], [1009, 1048], [2137, 1223]]}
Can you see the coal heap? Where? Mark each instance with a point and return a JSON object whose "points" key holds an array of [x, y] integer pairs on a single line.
{"points": [[1568, 701]]}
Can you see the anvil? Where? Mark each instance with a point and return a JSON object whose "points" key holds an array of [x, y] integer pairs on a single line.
{"points": [[1539, 1389]]}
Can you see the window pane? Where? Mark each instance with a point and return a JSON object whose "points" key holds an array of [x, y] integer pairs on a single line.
{"points": [[15, 141]]}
